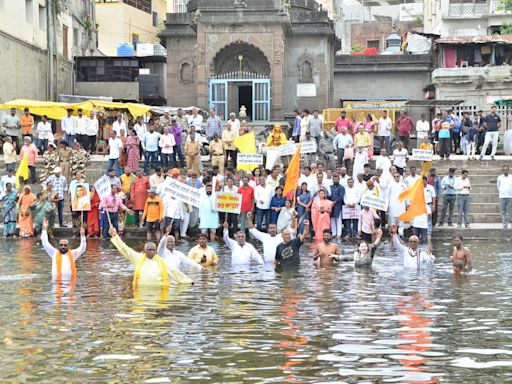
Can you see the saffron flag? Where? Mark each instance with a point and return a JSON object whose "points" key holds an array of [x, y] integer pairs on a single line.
{"points": [[246, 144], [22, 171], [416, 195], [292, 174]]}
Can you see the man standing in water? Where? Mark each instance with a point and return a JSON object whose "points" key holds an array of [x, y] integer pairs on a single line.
{"points": [[461, 258], [411, 256], [325, 249], [63, 259], [287, 253], [174, 258], [242, 253], [150, 269], [270, 240]]}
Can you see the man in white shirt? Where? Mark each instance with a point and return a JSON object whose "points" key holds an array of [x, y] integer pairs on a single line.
{"points": [[91, 133], [44, 129], [68, 125], [412, 178], [412, 256], [235, 123], [430, 197], [462, 186], [384, 131], [114, 151], [383, 162], [242, 253], [504, 184], [195, 119], [119, 125], [422, 129], [81, 128], [400, 158], [174, 258], [270, 240], [262, 196], [307, 177]]}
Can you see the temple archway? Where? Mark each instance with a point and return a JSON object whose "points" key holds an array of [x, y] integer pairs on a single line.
{"points": [[240, 56]]}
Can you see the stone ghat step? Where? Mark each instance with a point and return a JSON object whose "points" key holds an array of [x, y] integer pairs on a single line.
{"points": [[476, 218]]}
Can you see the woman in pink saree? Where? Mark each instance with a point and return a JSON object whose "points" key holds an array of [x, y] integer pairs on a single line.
{"points": [[132, 151], [321, 214]]}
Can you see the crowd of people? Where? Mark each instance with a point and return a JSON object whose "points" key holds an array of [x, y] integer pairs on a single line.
{"points": [[326, 205]]}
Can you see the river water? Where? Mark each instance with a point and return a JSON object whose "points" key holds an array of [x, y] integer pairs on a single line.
{"points": [[256, 326]]}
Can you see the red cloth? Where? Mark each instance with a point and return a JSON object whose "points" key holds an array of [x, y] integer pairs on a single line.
{"points": [[247, 198], [139, 193], [404, 125], [93, 216]]}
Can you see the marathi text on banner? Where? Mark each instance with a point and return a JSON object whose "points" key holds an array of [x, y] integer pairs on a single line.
{"points": [[374, 202], [182, 192], [422, 154], [249, 158], [102, 186], [228, 202], [351, 213], [290, 149]]}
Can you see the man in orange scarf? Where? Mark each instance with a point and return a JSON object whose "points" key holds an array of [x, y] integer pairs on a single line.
{"points": [[63, 259]]}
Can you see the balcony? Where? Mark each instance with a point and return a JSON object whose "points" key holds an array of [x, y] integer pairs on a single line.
{"points": [[469, 74], [475, 9]]}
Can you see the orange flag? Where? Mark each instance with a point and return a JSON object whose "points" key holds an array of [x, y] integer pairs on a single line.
{"points": [[416, 196], [292, 174]]}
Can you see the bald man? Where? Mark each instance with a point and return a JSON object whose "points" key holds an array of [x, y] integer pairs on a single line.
{"points": [[411, 256], [174, 258]]}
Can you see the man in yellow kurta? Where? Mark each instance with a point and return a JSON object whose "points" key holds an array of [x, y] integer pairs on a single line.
{"points": [[150, 269]]}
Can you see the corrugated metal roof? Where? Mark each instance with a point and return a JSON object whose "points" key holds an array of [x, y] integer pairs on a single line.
{"points": [[500, 39]]}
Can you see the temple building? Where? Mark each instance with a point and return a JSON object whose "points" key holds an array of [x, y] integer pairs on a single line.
{"points": [[267, 57]]}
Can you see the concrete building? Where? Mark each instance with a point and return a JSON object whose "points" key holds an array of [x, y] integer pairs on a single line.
{"points": [[373, 34], [463, 18], [128, 22], [38, 40], [268, 57]]}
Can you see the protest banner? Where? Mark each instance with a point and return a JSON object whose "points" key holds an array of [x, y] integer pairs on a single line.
{"points": [[228, 202], [272, 157], [102, 186], [422, 154], [374, 202], [249, 158], [290, 149], [308, 147], [80, 198], [182, 192], [351, 213]]}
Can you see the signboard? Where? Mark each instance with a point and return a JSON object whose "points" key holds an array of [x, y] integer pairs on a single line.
{"points": [[228, 202], [102, 186], [351, 213], [374, 104], [272, 156], [422, 154], [249, 158], [374, 202], [80, 198], [181, 191], [290, 149], [306, 90]]}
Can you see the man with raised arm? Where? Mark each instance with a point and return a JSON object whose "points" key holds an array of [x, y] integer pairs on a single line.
{"points": [[287, 253], [150, 268], [174, 258], [242, 253], [270, 240], [63, 259], [411, 256]]}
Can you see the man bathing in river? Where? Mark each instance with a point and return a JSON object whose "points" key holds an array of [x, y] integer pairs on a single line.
{"points": [[324, 251], [461, 258], [150, 269], [63, 259]]}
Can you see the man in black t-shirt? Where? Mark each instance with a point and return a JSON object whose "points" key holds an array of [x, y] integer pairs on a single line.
{"points": [[492, 126], [287, 253]]}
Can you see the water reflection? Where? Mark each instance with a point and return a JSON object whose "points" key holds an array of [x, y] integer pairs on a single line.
{"points": [[255, 325]]}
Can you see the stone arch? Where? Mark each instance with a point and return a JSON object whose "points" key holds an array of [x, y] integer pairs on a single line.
{"points": [[306, 66], [253, 59]]}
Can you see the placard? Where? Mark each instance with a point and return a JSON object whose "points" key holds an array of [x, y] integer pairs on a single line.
{"points": [[181, 191], [102, 186], [228, 202], [351, 213], [249, 158], [374, 202], [422, 154], [290, 149], [80, 197], [272, 156]]}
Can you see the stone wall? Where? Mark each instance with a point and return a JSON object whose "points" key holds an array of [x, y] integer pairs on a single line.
{"points": [[25, 71], [380, 30]]}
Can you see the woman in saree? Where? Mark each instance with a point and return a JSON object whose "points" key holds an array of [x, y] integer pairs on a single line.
{"points": [[132, 150], [9, 211], [276, 204], [42, 208], [123, 157], [26, 220], [286, 216], [304, 201], [321, 214], [93, 216], [426, 165]]}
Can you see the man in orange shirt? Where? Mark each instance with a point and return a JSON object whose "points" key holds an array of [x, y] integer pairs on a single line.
{"points": [[30, 151], [154, 215], [27, 124]]}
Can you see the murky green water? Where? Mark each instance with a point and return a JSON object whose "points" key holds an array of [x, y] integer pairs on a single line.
{"points": [[255, 326]]}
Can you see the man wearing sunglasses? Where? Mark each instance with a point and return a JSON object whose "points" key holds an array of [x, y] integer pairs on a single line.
{"points": [[411, 256], [63, 259]]}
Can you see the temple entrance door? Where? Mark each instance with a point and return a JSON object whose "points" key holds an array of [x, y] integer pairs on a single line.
{"points": [[245, 98], [219, 97], [261, 99]]}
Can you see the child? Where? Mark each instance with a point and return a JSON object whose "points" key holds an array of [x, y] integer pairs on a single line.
{"points": [[471, 140]]}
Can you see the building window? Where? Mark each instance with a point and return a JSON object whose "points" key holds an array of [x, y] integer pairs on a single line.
{"points": [[65, 41], [107, 70], [180, 6], [373, 44], [42, 18], [155, 19], [29, 11]]}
